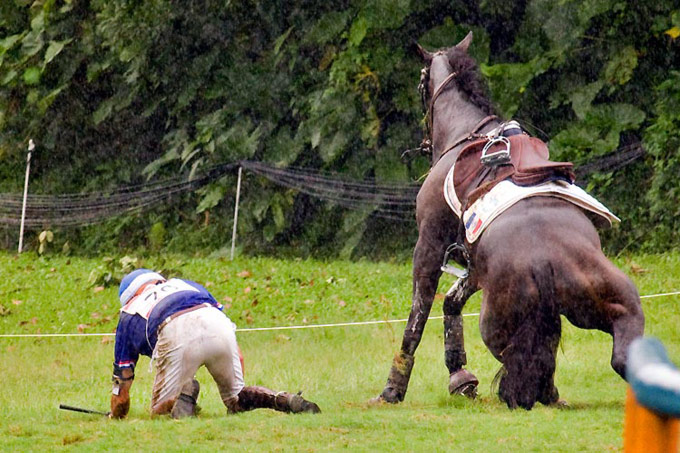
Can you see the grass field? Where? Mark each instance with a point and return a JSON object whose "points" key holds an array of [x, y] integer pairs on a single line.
{"points": [[340, 368]]}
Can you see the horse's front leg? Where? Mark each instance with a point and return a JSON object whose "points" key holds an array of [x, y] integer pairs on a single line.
{"points": [[461, 381], [427, 260]]}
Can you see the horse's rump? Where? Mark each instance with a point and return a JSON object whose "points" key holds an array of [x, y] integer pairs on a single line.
{"points": [[554, 234]]}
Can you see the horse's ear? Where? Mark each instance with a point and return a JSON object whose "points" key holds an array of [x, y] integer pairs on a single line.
{"points": [[465, 43], [424, 54]]}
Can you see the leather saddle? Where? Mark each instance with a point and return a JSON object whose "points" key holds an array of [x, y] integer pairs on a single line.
{"points": [[528, 165]]}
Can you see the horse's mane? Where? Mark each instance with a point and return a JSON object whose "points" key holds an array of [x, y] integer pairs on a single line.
{"points": [[469, 79]]}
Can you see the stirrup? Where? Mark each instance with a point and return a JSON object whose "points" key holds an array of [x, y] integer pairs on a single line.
{"points": [[453, 270], [498, 157]]}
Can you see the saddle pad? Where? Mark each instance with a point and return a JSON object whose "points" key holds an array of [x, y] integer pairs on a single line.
{"points": [[505, 194]]}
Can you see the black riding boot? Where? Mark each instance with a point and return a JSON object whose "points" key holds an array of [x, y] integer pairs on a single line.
{"points": [[254, 397], [185, 405]]}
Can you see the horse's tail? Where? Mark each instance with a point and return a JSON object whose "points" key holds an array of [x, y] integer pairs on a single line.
{"points": [[529, 358]]}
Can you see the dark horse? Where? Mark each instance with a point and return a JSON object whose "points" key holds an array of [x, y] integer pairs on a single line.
{"points": [[538, 260]]}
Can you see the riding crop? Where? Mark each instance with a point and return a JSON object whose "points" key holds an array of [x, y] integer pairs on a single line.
{"points": [[80, 409]]}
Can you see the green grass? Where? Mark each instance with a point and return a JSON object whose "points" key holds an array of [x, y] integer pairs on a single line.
{"points": [[338, 367]]}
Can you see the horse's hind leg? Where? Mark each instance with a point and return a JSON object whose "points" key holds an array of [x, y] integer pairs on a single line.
{"points": [[615, 309], [628, 323], [625, 330], [461, 382]]}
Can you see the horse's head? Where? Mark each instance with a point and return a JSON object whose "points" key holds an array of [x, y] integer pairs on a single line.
{"points": [[453, 94], [439, 65]]}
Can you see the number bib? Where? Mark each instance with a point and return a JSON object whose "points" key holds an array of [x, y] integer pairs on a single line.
{"points": [[143, 304]]}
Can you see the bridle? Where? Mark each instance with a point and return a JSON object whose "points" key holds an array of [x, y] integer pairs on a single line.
{"points": [[426, 146]]}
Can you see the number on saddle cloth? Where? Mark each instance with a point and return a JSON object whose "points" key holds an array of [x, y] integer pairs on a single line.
{"points": [[654, 379]]}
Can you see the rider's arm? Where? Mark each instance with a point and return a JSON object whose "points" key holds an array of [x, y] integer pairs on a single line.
{"points": [[120, 394], [125, 357]]}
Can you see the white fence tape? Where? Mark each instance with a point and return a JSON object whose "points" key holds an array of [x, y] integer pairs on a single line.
{"points": [[261, 329]]}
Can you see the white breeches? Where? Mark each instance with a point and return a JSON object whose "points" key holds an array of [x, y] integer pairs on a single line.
{"points": [[200, 337]]}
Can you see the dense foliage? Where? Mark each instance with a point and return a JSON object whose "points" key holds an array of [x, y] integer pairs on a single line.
{"points": [[117, 91]]}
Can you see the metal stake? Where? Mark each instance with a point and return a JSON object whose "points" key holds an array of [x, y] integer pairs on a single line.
{"points": [[238, 195], [31, 147]]}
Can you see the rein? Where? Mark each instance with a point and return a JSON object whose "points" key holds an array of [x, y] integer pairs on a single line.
{"points": [[472, 135], [426, 146]]}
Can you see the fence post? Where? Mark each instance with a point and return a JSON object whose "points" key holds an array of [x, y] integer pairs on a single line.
{"points": [[31, 147], [238, 195]]}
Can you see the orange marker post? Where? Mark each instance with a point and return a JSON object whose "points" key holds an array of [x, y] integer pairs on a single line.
{"points": [[646, 431]]}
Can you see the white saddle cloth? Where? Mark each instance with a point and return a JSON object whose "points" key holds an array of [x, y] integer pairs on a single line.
{"points": [[505, 194]]}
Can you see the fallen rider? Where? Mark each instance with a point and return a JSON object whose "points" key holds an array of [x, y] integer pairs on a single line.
{"points": [[181, 326]]}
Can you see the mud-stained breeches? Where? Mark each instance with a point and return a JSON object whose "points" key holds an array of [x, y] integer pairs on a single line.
{"points": [[201, 337]]}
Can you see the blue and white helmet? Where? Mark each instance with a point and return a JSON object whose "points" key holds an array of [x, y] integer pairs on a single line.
{"points": [[131, 283]]}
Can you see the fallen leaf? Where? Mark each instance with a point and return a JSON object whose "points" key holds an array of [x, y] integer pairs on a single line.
{"points": [[254, 303], [82, 327], [17, 302], [438, 296], [227, 306], [98, 289], [227, 299], [106, 340], [247, 289], [637, 269], [673, 32], [52, 269], [96, 315], [208, 284], [244, 274], [34, 320], [71, 439], [308, 301], [342, 303], [249, 319], [11, 348]]}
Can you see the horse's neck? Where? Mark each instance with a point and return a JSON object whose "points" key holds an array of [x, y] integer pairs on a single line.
{"points": [[454, 119]]}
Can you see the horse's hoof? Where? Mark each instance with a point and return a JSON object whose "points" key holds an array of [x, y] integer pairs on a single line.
{"points": [[462, 382], [377, 400], [388, 395], [560, 404]]}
